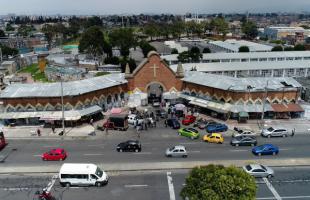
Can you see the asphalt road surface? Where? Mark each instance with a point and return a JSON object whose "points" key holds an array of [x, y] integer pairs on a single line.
{"points": [[154, 143], [288, 183]]}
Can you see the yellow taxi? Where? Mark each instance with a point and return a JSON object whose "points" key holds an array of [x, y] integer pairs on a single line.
{"points": [[213, 138]]}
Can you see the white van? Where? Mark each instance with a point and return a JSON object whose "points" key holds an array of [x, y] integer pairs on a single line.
{"points": [[82, 175]]}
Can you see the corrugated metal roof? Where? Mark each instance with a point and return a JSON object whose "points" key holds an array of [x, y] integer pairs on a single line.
{"points": [[241, 84], [236, 66], [71, 88], [245, 55]]}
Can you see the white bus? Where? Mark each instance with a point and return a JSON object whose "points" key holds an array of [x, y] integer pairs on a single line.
{"points": [[82, 175]]}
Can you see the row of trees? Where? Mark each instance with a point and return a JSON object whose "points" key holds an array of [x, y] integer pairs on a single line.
{"points": [[297, 47]]}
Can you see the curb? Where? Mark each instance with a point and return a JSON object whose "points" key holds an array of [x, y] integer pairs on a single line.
{"points": [[151, 166]]}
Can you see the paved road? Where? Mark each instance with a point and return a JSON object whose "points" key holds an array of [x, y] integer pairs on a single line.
{"points": [[288, 183], [154, 142]]}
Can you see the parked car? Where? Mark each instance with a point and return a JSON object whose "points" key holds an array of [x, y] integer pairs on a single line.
{"points": [[130, 145], [242, 132], [54, 154], [3, 142], [173, 123], [203, 124], [257, 170], [189, 132], [213, 138], [161, 113], [274, 132], [132, 119], [216, 128], [265, 149], [176, 151], [188, 119], [243, 140]]}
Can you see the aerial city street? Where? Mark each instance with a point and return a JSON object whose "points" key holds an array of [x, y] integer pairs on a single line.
{"points": [[180, 100]]}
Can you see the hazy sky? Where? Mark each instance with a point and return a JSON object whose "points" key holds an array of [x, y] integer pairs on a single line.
{"points": [[147, 6]]}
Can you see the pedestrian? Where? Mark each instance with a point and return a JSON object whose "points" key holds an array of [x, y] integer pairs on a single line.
{"points": [[293, 132], [166, 123], [91, 121], [39, 132], [145, 124], [107, 128], [154, 122], [53, 128]]}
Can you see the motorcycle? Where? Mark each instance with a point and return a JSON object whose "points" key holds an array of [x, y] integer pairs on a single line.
{"points": [[44, 195]]}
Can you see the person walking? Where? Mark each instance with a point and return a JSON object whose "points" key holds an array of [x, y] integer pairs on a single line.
{"points": [[39, 132], [53, 128], [166, 122], [91, 121], [293, 132]]}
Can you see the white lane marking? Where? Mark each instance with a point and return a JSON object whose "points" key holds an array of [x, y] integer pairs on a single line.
{"points": [[284, 149], [37, 155], [170, 186], [194, 152], [271, 188], [131, 186], [143, 153], [287, 197], [238, 150], [16, 189], [93, 154], [51, 183], [95, 145], [184, 143]]}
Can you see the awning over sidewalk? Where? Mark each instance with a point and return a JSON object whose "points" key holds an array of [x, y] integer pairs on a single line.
{"points": [[217, 107], [69, 115], [280, 108], [253, 108]]}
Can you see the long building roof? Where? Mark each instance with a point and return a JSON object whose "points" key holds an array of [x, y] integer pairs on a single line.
{"points": [[245, 55], [236, 66], [241, 84], [71, 88]]}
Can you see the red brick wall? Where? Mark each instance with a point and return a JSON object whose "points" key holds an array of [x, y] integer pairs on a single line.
{"points": [[145, 76]]}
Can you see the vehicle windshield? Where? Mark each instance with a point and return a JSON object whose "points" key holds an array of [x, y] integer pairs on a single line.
{"points": [[270, 129], [171, 148], [264, 167], [248, 167], [99, 172], [260, 147]]}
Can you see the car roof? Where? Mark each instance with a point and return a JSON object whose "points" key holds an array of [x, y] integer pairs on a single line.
{"points": [[216, 134], [179, 147], [256, 166], [56, 150]]}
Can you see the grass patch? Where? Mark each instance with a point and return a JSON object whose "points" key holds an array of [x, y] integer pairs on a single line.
{"points": [[101, 73], [35, 72]]}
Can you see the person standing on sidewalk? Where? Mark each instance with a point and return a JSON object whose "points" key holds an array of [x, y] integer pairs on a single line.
{"points": [[293, 132], [166, 122], [39, 132], [53, 128]]}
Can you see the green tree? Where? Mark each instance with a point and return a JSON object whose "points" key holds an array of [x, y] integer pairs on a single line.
{"points": [[219, 26], [131, 62], [177, 29], [277, 48], [184, 57], [249, 28], [8, 51], [112, 60], [244, 49], [206, 50], [195, 54], [146, 48], [150, 30], [174, 51], [124, 39], [25, 30], [216, 182], [288, 48], [49, 32], [93, 21], [299, 47], [92, 42], [2, 33], [9, 27]]}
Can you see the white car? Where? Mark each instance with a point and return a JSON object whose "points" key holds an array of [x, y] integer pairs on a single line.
{"points": [[244, 132], [274, 132], [176, 151], [257, 170]]}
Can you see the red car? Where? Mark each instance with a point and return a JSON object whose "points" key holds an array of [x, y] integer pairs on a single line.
{"points": [[188, 120], [55, 154]]}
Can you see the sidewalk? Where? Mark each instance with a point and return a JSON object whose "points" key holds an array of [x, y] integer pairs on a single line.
{"points": [[30, 132], [54, 168]]}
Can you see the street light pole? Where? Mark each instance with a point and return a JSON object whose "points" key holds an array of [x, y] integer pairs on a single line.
{"points": [[264, 101], [62, 106]]}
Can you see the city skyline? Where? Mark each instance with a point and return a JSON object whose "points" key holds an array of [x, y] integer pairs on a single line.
{"points": [[98, 7]]}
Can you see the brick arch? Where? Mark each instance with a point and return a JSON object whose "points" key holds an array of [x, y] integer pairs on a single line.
{"points": [[155, 82]]}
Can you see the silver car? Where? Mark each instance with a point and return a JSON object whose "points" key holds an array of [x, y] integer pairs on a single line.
{"points": [[176, 151], [274, 132], [257, 170]]}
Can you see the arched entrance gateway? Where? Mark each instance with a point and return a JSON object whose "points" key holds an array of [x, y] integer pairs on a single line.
{"points": [[154, 77]]}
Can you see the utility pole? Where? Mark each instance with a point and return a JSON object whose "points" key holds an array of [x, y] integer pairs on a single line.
{"points": [[264, 102], [62, 105]]}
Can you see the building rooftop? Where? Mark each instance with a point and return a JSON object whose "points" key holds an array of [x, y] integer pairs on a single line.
{"points": [[71, 88], [237, 66], [240, 84], [233, 45]]}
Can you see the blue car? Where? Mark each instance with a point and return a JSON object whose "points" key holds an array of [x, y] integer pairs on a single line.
{"points": [[265, 149], [215, 128]]}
